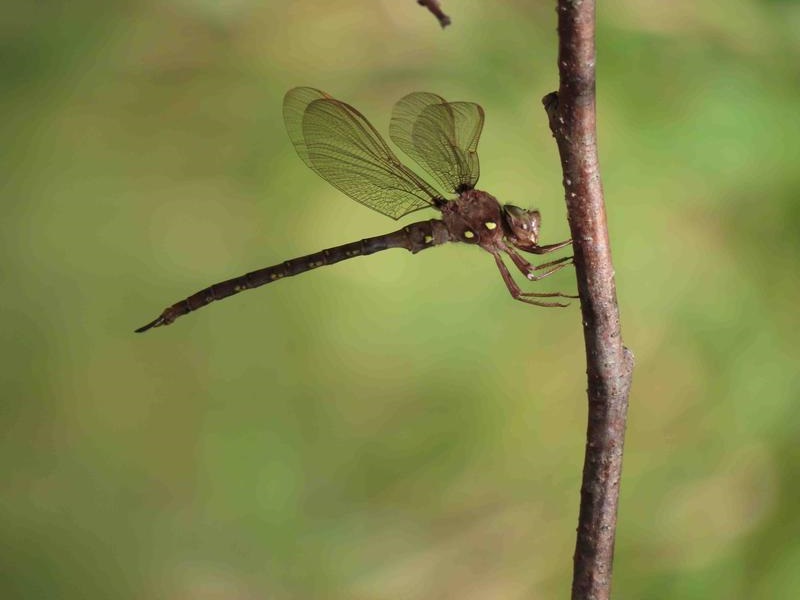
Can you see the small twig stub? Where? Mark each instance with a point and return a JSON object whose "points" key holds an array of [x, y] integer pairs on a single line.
{"points": [[434, 7]]}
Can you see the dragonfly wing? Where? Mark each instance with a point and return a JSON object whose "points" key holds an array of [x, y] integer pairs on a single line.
{"points": [[442, 137], [342, 147], [295, 103]]}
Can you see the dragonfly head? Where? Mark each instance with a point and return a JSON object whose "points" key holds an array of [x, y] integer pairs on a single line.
{"points": [[523, 224]]}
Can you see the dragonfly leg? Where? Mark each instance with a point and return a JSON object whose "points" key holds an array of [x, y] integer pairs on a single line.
{"points": [[527, 297], [552, 267], [549, 248], [558, 261], [536, 249], [547, 268]]}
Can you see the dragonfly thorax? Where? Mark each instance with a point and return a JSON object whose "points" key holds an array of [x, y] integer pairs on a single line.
{"points": [[475, 217]]}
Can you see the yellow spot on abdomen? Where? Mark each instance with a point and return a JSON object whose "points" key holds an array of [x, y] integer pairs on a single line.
{"points": [[428, 239], [468, 234], [490, 225]]}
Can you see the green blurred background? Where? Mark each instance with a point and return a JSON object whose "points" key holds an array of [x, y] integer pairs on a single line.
{"points": [[397, 426]]}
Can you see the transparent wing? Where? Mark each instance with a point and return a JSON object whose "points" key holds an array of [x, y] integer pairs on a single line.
{"points": [[442, 137], [342, 147]]}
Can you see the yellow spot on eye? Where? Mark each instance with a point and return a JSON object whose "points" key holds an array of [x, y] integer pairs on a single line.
{"points": [[468, 234], [490, 225], [428, 239]]}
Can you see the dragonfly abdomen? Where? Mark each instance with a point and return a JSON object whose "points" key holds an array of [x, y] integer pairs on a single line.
{"points": [[414, 238]]}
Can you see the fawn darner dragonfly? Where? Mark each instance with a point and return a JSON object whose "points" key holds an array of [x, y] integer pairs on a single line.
{"points": [[341, 146]]}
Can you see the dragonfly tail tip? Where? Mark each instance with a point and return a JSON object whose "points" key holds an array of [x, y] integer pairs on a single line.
{"points": [[156, 323]]}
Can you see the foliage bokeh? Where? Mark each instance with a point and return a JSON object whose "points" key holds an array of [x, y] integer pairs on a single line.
{"points": [[394, 426]]}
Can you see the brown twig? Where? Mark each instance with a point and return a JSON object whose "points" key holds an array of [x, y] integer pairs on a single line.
{"points": [[433, 6], [571, 112]]}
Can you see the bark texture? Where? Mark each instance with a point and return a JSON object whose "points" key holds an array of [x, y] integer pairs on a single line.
{"points": [[571, 112]]}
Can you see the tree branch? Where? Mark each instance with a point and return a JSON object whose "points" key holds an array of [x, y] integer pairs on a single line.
{"points": [[433, 6], [571, 113]]}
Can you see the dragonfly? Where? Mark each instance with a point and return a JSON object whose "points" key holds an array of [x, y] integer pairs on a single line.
{"points": [[339, 144]]}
